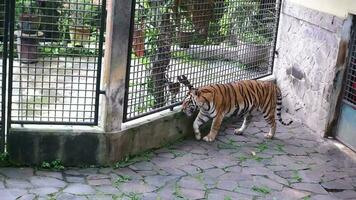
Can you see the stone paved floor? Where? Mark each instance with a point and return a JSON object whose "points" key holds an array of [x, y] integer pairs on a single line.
{"points": [[295, 165]]}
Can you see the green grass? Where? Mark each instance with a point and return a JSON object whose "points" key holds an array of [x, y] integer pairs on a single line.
{"points": [[229, 145], [296, 176], [227, 198], [307, 197], [129, 160], [279, 147], [263, 190], [262, 147]]}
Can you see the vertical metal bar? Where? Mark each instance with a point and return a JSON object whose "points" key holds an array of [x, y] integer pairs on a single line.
{"points": [[276, 33], [128, 66], [99, 67], [11, 58], [4, 70]]}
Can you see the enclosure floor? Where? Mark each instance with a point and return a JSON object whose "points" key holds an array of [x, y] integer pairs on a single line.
{"points": [[294, 165]]}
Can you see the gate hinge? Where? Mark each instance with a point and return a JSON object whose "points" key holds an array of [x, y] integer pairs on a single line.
{"points": [[102, 92]]}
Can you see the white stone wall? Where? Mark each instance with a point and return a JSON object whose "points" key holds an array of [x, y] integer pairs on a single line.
{"points": [[305, 68]]}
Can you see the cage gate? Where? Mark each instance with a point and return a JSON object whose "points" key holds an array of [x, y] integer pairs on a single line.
{"points": [[215, 41], [51, 55]]}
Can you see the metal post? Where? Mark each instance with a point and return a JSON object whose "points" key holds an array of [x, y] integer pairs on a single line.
{"points": [[119, 39]]}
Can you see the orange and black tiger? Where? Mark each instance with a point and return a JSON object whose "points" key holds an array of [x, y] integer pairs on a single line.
{"points": [[240, 98]]}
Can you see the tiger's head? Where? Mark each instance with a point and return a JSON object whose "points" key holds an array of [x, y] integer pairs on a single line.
{"points": [[189, 105]]}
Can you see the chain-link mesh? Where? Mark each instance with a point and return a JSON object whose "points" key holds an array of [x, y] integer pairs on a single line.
{"points": [[57, 58], [209, 41], [350, 86], [2, 52]]}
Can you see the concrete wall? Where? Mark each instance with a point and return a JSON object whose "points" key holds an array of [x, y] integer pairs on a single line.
{"points": [[339, 8], [312, 48], [32, 146]]}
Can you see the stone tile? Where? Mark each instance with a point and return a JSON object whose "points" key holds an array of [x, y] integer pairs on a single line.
{"points": [[75, 179], [18, 173], [339, 184], [57, 175], [192, 193], [44, 191], [323, 197], [6, 194], [227, 185], [127, 172], [66, 196], [96, 182], [310, 187], [27, 197], [97, 176], [217, 194], [346, 194], [79, 189], [107, 189], [137, 187], [39, 181], [10, 194], [159, 180], [191, 182], [288, 193], [18, 183]]}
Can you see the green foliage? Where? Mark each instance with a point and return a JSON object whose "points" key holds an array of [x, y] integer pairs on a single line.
{"points": [[229, 145], [4, 159], [307, 197], [279, 148], [54, 165], [129, 160], [227, 198], [296, 176], [262, 147], [122, 179], [262, 189]]}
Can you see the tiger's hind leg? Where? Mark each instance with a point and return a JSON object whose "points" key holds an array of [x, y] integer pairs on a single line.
{"points": [[245, 123]]}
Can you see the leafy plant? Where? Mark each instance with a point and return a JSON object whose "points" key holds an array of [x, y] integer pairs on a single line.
{"points": [[122, 179], [261, 189], [55, 165]]}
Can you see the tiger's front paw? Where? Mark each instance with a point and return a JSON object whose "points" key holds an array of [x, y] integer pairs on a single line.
{"points": [[269, 136], [209, 138]]}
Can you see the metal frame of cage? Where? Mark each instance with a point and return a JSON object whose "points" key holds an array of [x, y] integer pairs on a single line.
{"points": [[129, 101]]}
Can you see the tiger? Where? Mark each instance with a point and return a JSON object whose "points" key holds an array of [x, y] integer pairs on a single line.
{"points": [[241, 98]]}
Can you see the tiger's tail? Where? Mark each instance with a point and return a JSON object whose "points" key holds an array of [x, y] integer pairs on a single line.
{"points": [[279, 109]]}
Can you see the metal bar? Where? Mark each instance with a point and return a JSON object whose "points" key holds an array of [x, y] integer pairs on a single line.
{"points": [[5, 35], [53, 123], [127, 76], [98, 78], [11, 57], [276, 32]]}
